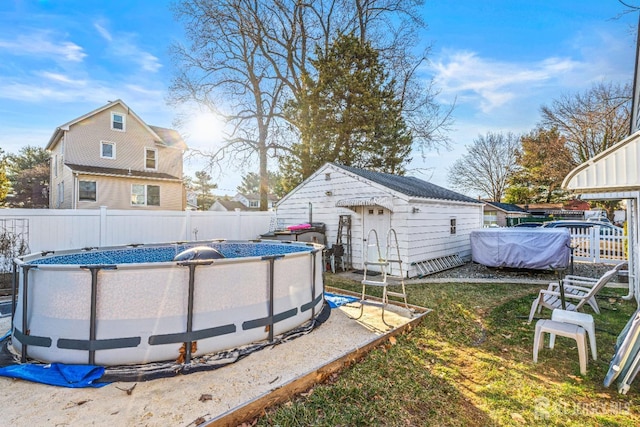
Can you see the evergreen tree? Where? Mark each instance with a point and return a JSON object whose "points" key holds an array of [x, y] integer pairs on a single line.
{"points": [[251, 184], [28, 173], [203, 186], [349, 115]]}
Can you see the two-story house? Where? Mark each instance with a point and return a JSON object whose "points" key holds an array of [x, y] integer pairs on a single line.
{"points": [[110, 157]]}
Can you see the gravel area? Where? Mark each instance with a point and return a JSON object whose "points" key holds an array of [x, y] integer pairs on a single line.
{"points": [[473, 270]]}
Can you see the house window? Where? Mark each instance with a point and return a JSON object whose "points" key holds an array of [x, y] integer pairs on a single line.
{"points": [[380, 211], [254, 203], [145, 195], [117, 121], [87, 191], [55, 165], [452, 222], [107, 150], [150, 158]]}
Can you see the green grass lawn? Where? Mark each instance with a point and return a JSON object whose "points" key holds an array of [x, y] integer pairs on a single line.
{"points": [[469, 363]]}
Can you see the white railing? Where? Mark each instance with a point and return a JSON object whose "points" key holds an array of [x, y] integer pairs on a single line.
{"points": [[598, 244], [57, 229]]}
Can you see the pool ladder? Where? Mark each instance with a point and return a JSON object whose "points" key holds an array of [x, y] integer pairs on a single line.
{"points": [[385, 264]]}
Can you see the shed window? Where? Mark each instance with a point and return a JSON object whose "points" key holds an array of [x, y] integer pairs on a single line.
{"points": [[87, 191], [452, 222]]}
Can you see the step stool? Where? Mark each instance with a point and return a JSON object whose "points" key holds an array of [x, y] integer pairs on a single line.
{"points": [[581, 319], [564, 330]]}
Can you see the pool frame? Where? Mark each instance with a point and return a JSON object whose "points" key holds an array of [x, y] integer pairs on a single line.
{"points": [[88, 314]]}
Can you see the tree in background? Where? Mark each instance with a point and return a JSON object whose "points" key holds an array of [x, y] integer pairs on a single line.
{"points": [[349, 115], [246, 59], [542, 163], [591, 121], [28, 173], [203, 186], [251, 184], [4, 181], [488, 165]]}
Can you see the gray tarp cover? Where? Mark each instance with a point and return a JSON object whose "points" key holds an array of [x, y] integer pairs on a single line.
{"points": [[538, 249]]}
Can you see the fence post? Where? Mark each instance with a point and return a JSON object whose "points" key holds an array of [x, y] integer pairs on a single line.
{"points": [[103, 226], [187, 232], [595, 238]]}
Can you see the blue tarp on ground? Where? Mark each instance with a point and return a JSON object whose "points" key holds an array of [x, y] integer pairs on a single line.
{"points": [[335, 301], [58, 374]]}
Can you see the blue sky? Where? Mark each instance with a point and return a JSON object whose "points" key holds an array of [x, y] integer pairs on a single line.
{"points": [[500, 60]]}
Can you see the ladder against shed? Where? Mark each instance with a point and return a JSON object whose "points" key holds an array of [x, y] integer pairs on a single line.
{"points": [[435, 265]]}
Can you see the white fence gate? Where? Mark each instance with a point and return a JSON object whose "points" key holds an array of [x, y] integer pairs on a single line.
{"points": [[596, 244], [57, 229]]}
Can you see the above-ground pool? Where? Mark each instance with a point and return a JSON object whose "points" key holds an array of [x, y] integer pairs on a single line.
{"points": [[135, 304]]}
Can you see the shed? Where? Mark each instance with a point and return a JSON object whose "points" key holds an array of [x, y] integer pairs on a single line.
{"points": [[502, 214], [614, 174], [431, 222]]}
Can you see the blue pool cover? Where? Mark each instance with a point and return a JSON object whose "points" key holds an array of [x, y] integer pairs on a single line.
{"points": [[167, 253]]}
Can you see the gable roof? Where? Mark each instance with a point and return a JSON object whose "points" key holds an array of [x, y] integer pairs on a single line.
{"points": [[507, 207], [409, 185], [168, 137]]}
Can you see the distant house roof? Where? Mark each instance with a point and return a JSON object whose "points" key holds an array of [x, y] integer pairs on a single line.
{"points": [[94, 170], [256, 196], [409, 185], [231, 205], [507, 207]]}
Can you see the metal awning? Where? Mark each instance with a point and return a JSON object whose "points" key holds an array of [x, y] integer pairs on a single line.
{"points": [[383, 201]]}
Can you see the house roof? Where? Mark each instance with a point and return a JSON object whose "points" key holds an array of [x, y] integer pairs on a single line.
{"points": [[507, 207], [126, 173], [409, 185], [168, 137], [232, 205]]}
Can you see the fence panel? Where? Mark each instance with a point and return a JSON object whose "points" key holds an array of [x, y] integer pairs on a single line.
{"points": [[596, 244], [57, 229]]}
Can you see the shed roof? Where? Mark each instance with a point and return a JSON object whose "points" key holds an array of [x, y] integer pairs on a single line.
{"points": [[409, 185]]}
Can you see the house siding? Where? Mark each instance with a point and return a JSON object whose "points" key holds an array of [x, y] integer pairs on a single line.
{"points": [[81, 145], [422, 235], [116, 193]]}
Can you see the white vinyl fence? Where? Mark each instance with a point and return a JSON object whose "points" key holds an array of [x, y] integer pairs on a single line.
{"points": [[57, 229], [598, 244]]}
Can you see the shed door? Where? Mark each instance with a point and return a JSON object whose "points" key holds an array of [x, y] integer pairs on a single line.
{"points": [[379, 219]]}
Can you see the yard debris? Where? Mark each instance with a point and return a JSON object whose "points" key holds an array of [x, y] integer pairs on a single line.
{"points": [[205, 397], [128, 390], [78, 403]]}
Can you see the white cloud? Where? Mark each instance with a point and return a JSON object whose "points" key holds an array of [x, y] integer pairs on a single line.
{"points": [[491, 83], [61, 78], [103, 31], [122, 46], [43, 44]]}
